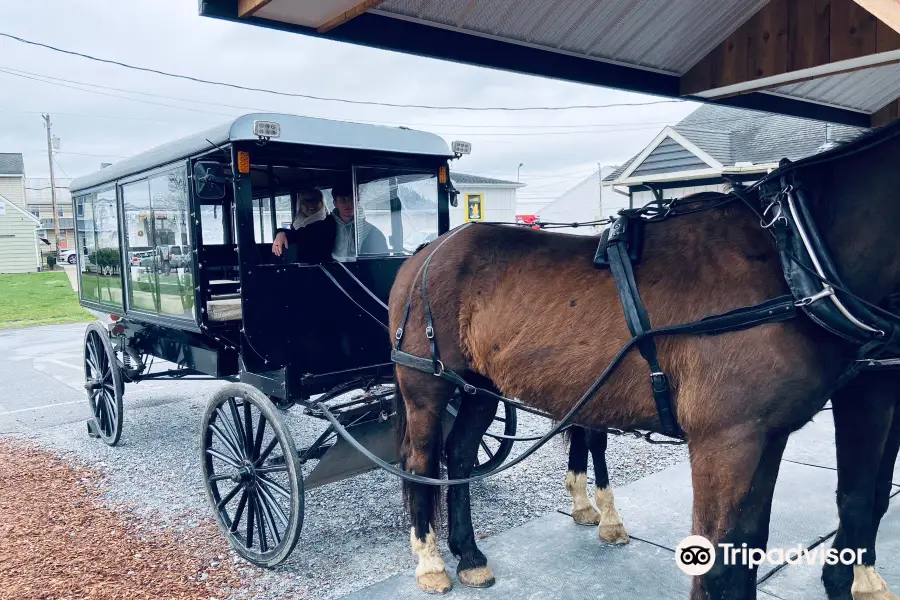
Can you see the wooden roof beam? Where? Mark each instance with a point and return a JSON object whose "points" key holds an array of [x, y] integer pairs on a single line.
{"points": [[248, 8], [886, 11], [348, 15], [789, 41]]}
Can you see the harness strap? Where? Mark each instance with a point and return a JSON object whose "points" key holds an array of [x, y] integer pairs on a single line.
{"points": [[638, 323]]}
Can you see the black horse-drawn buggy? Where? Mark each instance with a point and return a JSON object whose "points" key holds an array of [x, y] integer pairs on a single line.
{"points": [[175, 246]]}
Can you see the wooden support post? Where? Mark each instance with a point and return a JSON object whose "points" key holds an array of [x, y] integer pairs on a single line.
{"points": [[247, 8]]}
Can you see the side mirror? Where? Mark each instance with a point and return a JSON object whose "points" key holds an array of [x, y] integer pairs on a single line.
{"points": [[209, 180]]}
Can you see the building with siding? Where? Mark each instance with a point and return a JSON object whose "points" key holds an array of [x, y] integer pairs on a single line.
{"points": [[40, 203], [498, 197], [18, 240], [589, 200], [715, 144]]}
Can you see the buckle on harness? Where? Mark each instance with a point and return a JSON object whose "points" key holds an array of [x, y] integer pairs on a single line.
{"points": [[469, 388], [659, 382], [438, 368], [429, 332], [399, 333]]}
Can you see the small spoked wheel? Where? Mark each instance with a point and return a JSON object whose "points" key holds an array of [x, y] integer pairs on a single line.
{"points": [[252, 475], [104, 385], [492, 450]]}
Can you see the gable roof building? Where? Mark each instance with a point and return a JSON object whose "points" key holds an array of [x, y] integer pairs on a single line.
{"points": [[716, 141], [11, 164]]}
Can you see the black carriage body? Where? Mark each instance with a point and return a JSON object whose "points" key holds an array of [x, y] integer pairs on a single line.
{"points": [[289, 329]]}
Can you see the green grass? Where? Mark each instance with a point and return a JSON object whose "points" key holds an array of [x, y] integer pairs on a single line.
{"points": [[39, 299]]}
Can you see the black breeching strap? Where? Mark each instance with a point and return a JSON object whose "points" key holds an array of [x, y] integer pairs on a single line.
{"points": [[639, 322], [771, 311]]}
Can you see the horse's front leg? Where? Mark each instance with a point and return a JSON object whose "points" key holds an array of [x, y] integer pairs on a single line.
{"points": [[474, 417], [733, 473], [863, 415]]}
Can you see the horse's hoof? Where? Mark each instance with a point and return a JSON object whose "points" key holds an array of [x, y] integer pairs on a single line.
{"points": [[869, 585], [586, 516], [613, 534], [479, 577], [434, 583]]}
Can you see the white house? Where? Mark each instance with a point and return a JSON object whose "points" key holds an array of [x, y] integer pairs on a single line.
{"points": [[715, 144], [18, 227], [498, 197], [590, 200]]}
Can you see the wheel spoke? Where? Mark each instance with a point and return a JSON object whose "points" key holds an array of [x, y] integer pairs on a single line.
{"points": [[251, 514], [223, 458], [225, 500], [248, 428], [242, 504], [225, 440], [220, 477], [270, 503], [257, 443], [265, 453], [487, 450], [238, 426], [270, 518], [272, 469], [228, 427], [269, 484], [111, 410], [260, 525]]}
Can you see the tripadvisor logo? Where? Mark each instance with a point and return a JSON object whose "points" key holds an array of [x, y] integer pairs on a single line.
{"points": [[696, 555]]}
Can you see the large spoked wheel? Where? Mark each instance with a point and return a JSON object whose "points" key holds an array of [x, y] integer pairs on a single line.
{"points": [[492, 450], [252, 475], [104, 385]]}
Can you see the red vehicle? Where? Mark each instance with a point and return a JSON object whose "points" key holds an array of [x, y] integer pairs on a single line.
{"points": [[531, 220]]}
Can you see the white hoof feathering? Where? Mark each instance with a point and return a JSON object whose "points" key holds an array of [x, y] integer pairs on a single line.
{"points": [[611, 529], [869, 585], [431, 573], [583, 512]]}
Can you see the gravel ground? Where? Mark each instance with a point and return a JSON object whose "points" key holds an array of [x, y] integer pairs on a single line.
{"points": [[355, 532]]}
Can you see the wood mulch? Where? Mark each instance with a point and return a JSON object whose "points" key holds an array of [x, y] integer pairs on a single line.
{"points": [[57, 541]]}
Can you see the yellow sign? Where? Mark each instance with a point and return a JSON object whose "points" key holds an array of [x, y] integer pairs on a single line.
{"points": [[474, 207]]}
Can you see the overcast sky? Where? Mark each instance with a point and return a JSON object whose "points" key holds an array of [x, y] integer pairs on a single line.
{"points": [[97, 125]]}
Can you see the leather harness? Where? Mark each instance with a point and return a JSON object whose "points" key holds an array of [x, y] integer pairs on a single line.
{"points": [[816, 287]]}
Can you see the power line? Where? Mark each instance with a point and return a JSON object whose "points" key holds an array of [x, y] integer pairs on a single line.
{"points": [[323, 98]]}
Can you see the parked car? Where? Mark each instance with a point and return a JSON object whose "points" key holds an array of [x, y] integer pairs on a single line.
{"points": [[141, 258], [67, 255]]}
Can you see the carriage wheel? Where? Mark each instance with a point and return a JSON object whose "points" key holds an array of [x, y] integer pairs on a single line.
{"points": [[492, 451], [104, 385], [252, 475]]}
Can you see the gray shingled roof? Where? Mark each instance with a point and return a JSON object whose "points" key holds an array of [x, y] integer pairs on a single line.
{"points": [[11, 164], [466, 179], [732, 135]]}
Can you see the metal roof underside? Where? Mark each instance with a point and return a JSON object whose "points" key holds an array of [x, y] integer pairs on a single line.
{"points": [[666, 35], [294, 130], [636, 45]]}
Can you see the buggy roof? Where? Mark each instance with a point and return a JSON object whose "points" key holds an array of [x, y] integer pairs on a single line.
{"points": [[294, 130]]}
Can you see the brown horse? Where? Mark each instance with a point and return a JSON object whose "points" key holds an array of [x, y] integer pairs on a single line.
{"points": [[737, 395]]}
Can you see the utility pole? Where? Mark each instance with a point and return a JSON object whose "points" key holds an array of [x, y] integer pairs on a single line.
{"points": [[52, 179]]}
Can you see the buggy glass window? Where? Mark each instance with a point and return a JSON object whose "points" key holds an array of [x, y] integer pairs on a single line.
{"points": [[212, 224], [262, 220], [143, 287], [171, 214], [397, 210], [107, 258], [87, 247]]}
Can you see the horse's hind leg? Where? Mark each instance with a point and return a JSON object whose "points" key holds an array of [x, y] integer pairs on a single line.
{"points": [[474, 417], [865, 439], [424, 398], [610, 527], [733, 474], [583, 511]]}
